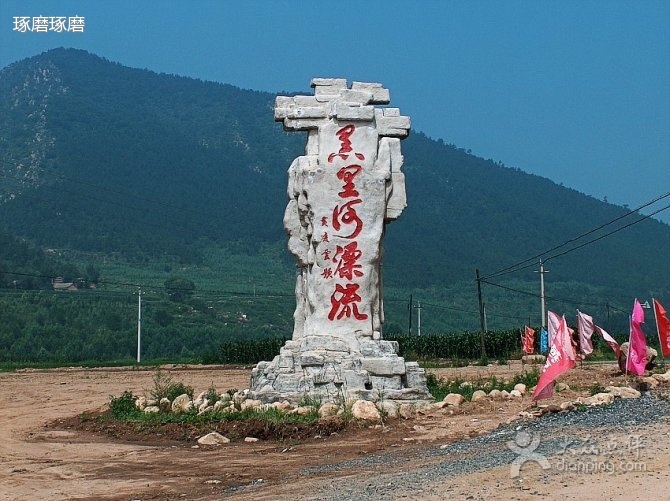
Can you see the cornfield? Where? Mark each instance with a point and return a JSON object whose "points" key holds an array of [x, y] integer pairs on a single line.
{"points": [[459, 345]]}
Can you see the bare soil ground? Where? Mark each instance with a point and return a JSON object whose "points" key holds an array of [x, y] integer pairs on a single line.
{"points": [[47, 452]]}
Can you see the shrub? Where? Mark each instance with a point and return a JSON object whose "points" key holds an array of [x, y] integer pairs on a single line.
{"points": [[165, 387], [123, 407]]}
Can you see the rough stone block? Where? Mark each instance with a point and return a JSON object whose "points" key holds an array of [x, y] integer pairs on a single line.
{"points": [[311, 358], [355, 96], [301, 124], [386, 383], [408, 394], [288, 383], [305, 101], [328, 343], [338, 83], [370, 348], [308, 112], [285, 362], [352, 111], [386, 366], [389, 347], [355, 379], [380, 95]]}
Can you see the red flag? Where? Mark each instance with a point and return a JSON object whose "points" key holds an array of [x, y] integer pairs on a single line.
{"points": [[528, 340], [636, 360], [586, 328], [663, 327], [560, 359]]}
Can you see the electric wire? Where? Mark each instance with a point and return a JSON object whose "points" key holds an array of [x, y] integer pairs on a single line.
{"points": [[531, 261]]}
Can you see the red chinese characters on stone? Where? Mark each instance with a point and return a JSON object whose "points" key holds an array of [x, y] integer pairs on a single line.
{"points": [[347, 174], [327, 273], [345, 300], [346, 214], [344, 303], [344, 135], [348, 266]]}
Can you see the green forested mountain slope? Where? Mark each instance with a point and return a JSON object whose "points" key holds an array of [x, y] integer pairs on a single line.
{"points": [[100, 158]]}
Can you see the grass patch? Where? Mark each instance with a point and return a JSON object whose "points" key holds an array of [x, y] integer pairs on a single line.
{"points": [[440, 388]]}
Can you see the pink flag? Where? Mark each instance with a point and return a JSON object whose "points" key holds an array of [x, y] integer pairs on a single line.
{"points": [[528, 340], [586, 328], [553, 321], [637, 347], [609, 340], [561, 358], [663, 327]]}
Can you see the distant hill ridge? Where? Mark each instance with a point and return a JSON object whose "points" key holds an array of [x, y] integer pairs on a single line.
{"points": [[99, 157]]}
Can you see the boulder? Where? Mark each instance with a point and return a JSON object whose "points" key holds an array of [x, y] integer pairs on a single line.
{"points": [[495, 395], [213, 438], [199, 399], [388, 407], [165, 404], [649, 382], [407, 411], [302, 410], [151, 408], [182, 403], [662, 378], [250, 404], [623, 355], [328, 409], [250, 439], [141, 403], [454, 399], [521, 388], [219, 406], [567, 406], [515, 394], [599, 399], [505, 395], [623, 392], [366, 410], [479, 395], [202, 410], [284, 405], [562, 387]]}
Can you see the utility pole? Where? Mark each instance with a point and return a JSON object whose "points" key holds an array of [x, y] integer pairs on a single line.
{"points": [[409, 309], [482, 321], [139, 323], [544, 308], [418, 324]]}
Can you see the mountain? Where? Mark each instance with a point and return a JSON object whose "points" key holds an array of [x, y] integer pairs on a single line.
{"points": [[104, 160]]}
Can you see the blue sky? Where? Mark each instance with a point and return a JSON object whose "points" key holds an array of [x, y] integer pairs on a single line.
{"points": [[576, 91]]}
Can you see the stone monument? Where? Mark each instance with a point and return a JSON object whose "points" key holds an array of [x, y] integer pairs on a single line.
{"points": [[342, 192]]}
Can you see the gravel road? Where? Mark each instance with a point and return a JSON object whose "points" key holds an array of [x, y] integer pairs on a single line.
{"points": [[388, 480]]}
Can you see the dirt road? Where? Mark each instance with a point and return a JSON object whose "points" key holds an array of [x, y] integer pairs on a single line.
{"points": [[400, 459]]}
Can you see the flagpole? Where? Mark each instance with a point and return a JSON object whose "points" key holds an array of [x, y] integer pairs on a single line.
{"points": [[658, 331], [630, 335], [581, 346]]}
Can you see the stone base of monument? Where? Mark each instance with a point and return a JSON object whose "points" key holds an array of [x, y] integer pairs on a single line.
{"points": [[326, 368]]}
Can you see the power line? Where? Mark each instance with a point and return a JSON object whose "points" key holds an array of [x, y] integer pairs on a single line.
{"points": [[531, 261], [553, 298]]}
